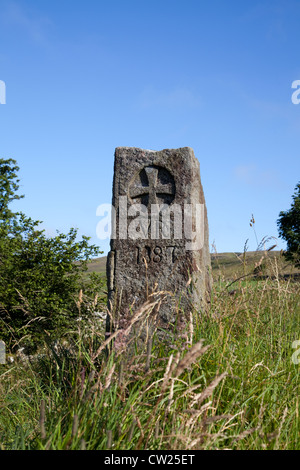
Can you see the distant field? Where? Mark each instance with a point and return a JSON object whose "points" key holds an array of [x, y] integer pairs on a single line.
{"points": [[231, 266], [234, 265], [97, 265]]}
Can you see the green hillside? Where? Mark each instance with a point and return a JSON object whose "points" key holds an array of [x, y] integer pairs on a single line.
{"points": [[97, 265]]}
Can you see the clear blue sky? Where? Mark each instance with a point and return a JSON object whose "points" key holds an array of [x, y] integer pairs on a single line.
{"points": [[85, 77]]}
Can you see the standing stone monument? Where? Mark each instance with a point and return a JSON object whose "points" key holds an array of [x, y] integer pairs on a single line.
{"points": [[159, 240]]}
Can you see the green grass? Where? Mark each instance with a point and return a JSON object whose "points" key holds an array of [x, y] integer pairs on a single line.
{"points": [[241, 392]]}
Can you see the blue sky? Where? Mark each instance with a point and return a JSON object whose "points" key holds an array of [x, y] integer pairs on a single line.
{"points": [[83, 78]]}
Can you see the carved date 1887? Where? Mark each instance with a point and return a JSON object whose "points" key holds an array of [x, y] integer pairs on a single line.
{"points": [[155, 254]]}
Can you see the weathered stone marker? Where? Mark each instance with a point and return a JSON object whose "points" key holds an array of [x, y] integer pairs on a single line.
{"points": [[159, 237]]}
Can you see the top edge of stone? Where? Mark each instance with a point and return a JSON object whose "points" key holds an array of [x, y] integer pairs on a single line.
{"points": [[154, 151]]}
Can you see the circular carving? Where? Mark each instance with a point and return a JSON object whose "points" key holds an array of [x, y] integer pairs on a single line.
{"points": [[153, 185]]}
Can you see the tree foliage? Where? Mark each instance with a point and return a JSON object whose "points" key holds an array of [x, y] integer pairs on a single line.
{"points": [[8, 188], [289, 228], [40, 277]]}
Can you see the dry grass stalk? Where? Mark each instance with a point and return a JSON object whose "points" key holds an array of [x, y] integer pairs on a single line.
{"points": [[147, 307], [109, 439], [91, 376], [285, 412], [82, 444], [191, 389], [191, 421], [199, 440], [95, 300], [75, 425], [80, 299], [190, 442], [42, 420], [171, 394], [131, 431], [156, 435], [175, 363], [245, 434], [191, 329], [214, 419], [167, 374], [191, 356], [138, 422], [149, 350], [140, 427], [91, 391], [200, 397], [109, 377], [260, 364]]}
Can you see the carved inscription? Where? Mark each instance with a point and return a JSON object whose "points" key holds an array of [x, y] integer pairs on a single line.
{"points": [[156, 254]]}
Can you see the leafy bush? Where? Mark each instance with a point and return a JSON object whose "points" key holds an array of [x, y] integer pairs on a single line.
{"points": [[289, 228], [40, 277]]}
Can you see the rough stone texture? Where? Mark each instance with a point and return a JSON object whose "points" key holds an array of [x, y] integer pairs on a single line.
{"points": [[138, 267]]}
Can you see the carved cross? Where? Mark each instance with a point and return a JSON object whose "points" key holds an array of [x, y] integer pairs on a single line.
{"points": [[154, 187]]}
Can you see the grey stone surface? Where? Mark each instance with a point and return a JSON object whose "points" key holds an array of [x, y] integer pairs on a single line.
{"points": [[143, 265]]}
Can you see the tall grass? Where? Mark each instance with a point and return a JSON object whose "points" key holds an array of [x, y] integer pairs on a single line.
{"points": [[227, 382]]}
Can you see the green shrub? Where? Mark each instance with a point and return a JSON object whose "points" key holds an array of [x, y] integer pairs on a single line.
{"points": [[40, 277]]}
